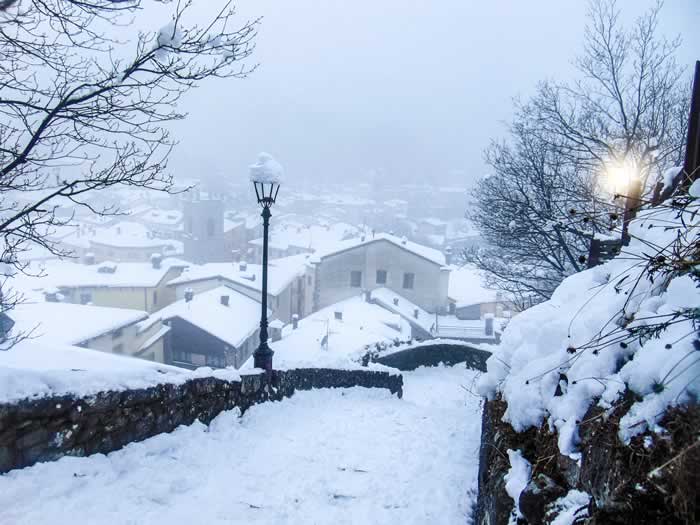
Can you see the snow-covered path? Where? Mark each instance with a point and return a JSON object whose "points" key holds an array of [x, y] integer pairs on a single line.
{"points": [[322, 457]]}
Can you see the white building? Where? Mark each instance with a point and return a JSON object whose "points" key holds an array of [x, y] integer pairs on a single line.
{"points": [[289, 287], [370, 262]]}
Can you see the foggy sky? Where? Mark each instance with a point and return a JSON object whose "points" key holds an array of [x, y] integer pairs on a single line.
{"points": [[414, 89]]}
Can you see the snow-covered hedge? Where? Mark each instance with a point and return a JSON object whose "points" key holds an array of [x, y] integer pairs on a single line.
{"points": [[630, 324]]}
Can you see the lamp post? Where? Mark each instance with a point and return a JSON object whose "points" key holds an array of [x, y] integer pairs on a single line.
{"points": [[266, 175]]}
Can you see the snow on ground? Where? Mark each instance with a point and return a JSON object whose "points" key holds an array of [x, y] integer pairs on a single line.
{"points": [[282, 272], [325, 456]]}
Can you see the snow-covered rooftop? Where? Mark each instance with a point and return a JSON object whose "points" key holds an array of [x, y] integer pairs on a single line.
{"points": [[232, 324], [310, 238], [232, 224], [281, 272], [467, 286], [430, 254], [68, 274], [398, 304], [162, 217], [128, 234], [362, 324], [69, 324]]}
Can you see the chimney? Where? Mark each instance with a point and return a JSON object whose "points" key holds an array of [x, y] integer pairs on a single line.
{"points": [[338, 315], [295, 322], [448, 255], [224, 300], [404, 240], [52, 296], [243, 266], [415, 313], [488, 324], [107, 267], [396, 301], [362, 238], [156, 260], [189, 294]]}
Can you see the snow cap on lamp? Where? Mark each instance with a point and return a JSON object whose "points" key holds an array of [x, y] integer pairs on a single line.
{"points": [[266, 170]]}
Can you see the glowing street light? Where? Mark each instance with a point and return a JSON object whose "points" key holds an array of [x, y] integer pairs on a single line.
{"points": [[623, 179]]}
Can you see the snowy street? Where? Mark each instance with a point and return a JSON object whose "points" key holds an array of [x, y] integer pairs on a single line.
{"points": [[325, 456]]}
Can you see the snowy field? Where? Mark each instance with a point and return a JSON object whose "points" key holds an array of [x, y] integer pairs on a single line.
{"points": [[326, 456]]}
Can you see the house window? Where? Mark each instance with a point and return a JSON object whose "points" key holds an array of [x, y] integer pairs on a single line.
{"points": [[408, 280], [218, 361], [183, 357], [381, 276], [308, 279], [210, 227], [198, 359], [355, 279], [155, 297]]}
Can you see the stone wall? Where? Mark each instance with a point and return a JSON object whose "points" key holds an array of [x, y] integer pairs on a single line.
{"points": [[46, 429], [432, 355], [652, 480]]}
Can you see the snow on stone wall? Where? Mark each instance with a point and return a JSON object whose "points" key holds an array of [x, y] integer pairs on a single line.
{"points": [[47, 428], [587, 344]]}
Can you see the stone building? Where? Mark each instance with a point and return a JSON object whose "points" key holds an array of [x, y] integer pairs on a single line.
{"points": [[203, 234]]}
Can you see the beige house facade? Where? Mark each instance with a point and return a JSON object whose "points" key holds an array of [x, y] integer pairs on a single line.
{"points": [[136, 286]]}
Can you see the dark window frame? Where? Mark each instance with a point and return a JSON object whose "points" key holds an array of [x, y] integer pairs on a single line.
{"points": [[355, 279], [409, 280], [384, 275]]}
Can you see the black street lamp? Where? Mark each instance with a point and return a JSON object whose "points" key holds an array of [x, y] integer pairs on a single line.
{"points": [[266, 176]]}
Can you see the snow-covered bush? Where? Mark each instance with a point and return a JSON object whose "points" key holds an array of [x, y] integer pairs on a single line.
{"points": [[630, 324]]}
